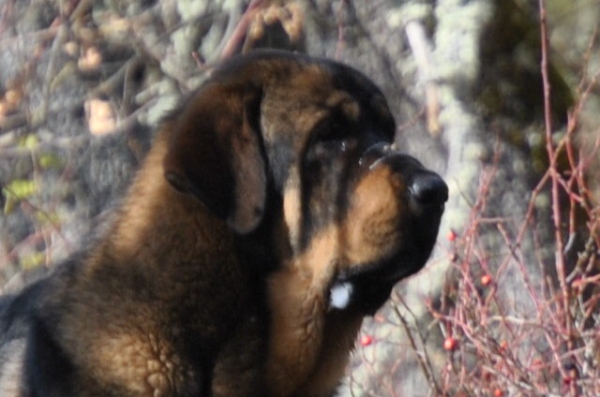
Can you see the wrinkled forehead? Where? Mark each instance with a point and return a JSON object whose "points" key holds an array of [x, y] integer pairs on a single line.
{"points": [[318, 89], [303, 79], [303, 98]]}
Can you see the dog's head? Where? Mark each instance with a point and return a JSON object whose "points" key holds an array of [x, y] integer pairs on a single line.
{"points": [[309, 140]]}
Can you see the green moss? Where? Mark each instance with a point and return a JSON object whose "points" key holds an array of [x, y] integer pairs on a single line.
{"points": [[16, 191], [32, 260]]}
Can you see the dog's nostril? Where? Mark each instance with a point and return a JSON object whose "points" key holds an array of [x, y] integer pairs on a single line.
{"points": [[429, 189]]}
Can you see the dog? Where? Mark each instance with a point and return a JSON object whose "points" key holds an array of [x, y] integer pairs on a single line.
{"points": [[270, 216]]}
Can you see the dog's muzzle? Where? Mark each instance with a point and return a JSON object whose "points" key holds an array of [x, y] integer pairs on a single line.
{"points": [[423, 194], [426, 188]]}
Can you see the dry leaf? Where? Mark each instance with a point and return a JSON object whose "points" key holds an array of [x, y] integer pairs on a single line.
{"points": [[90, 60], [100, 116]]}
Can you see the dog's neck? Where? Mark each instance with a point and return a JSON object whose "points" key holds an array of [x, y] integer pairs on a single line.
{"points": [[165, 252], [157, 220]]}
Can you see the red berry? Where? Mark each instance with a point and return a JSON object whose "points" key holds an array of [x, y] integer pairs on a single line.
{"points": [[451, 236], [498, 392], [366, 340], [486, 280], [503, 346], [450, 344]]}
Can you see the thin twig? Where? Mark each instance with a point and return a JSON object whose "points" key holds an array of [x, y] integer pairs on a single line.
{"points": [[556, 207], [422, 357]]}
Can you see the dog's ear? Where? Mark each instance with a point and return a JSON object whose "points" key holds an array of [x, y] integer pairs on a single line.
{"points": [[216, 153]]}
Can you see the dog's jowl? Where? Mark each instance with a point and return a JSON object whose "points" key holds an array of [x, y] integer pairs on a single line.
{"points": [[269, 217]]}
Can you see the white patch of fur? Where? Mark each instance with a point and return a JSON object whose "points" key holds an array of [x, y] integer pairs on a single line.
{"points": [[340, 295]]}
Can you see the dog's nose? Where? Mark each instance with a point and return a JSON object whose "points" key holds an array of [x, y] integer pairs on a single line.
{"points": [[429, 189]]}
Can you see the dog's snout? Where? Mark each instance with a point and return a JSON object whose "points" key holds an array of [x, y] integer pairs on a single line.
{"points": [[429, 189]]}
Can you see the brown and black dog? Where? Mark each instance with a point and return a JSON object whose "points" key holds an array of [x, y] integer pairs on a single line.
{"points": [[270, 216]]}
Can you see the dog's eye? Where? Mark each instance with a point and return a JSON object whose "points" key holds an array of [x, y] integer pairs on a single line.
{"points": [[326, 150], [330, 129], [331, 136]]}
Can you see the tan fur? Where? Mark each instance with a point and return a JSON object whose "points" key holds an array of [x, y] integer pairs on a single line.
{"points": [[298, 300], [371, 229], [309, 347], [339, 337], [292, 209], [133, 351]]}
